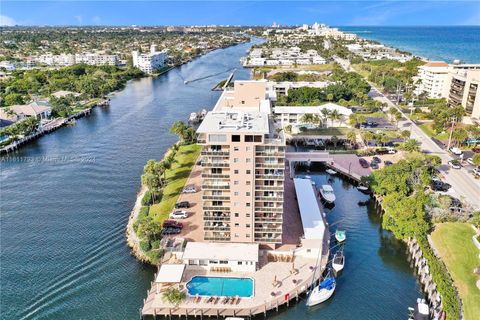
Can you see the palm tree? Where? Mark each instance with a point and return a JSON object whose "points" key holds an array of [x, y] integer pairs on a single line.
{"points": [[334, 140], [352, 136], [325, 114], [405, 134], [334, 116], [307, 118]]}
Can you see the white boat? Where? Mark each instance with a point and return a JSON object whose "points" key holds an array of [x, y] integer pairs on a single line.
{"points": [[362, 187], [327, 193], [340, 235], [323, 291], [331, 171], [338, 261], [421, 311], [193, 117]]}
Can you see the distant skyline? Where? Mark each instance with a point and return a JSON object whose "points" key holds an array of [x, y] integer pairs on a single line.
{"points": [[148, 13]]}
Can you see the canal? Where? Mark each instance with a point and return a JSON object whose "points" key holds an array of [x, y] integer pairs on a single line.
{"points": [[66, 198]]}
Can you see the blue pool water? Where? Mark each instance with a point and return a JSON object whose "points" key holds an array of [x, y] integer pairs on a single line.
{"points": [[220, 286]]}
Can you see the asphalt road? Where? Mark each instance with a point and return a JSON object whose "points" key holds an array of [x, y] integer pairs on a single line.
{"points": [[464, 185]]}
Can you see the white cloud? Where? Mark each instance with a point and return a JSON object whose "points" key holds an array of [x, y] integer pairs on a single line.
{"points": [[7, 21], [79, 19]]}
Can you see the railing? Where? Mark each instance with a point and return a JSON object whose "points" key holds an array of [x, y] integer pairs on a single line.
{"points": [[280, 165], [216, 228], [265, 198], [216, 218], [269, 154], [215, 187], [270, 176], [215, 208], [215, 176], [216, 164], [268, 230], [214, 153], [268, 209], [272, 188], [211, 197], [218, 238], [268, 219], [277, 141]]}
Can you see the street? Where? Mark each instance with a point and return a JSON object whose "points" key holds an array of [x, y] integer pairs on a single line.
{"points": [[464, 185]]}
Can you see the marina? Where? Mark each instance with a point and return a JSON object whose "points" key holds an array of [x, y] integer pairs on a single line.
{"points": [[377, 264]]}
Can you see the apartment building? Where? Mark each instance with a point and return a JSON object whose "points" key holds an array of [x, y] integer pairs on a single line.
{"points": [[465, 91], [433, 78], [243, 161], [72, 59], [149, 62]]}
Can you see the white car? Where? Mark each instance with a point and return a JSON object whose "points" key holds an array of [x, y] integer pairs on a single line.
{"points": [[456, 151], [455, 164], [470, 160], [476, 172], [189, 189], [179, 214]]}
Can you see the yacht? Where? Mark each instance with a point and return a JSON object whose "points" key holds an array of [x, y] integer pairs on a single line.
{"points": [[327, 193], [331, 171], [420, 312]]}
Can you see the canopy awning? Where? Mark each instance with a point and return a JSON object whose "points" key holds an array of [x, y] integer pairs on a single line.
{"points": [[170, 273]]}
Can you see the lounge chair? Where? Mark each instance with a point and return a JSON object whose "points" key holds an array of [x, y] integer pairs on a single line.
{"points": [[216, 300], [237, 299], [232, 300]]}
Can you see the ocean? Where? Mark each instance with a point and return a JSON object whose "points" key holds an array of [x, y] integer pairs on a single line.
{"points": [[433, 43]]}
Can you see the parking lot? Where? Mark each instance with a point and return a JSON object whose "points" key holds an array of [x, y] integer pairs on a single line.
{"points": [[192, 225]]}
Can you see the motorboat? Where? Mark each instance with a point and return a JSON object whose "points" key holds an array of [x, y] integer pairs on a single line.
{"points": [[420, 312], [364, 203], [362, 187], [340, 235], [327, 193], [331, 171], [323, 291], [338, 261], [193, 117]]}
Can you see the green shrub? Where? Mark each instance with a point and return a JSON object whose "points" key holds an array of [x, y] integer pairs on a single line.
{"points": [[145, 246], [150, 198], [155, 244], [174, 296]]}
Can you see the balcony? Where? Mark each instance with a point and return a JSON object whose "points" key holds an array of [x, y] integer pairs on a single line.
{"points": [[260, 238], [270, 154], [277, 142], [268, 188], [216, 208], [269, 198], [268, 209], [214, 153], [270, 176], [215, 187], [215, 237], [269, 219], [216, 218], [212, 197], [215, 176], [280, 165], [216, 228], [216, 164]]}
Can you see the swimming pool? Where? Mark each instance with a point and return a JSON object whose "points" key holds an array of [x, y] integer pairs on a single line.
{"points": [[220, 286]]}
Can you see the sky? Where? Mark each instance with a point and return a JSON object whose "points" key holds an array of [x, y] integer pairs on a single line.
{"points": [[336, 13]]}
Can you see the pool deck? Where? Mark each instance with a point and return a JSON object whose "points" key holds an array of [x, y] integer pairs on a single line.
{"points": [[262, 301]]}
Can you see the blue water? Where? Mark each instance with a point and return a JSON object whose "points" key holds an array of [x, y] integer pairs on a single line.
{"points": [[220, 286], [434, 43]]}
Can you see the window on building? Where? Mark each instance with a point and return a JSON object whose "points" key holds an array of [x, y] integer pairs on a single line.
{"points": [[237, 225], [248, 204], [235, 160], [235, 171], [236, 138], [249, 171], [248, 138], [235, 193], [235, 182], [217, 138], [248, 148], [258, 138], [248, 183], [247, 235], [249, 160], [236, 215], [236, 235], [247, 225], [235, 148], [239, 263], [212, 261], [248, 194], [247, 215], [203, 262]]}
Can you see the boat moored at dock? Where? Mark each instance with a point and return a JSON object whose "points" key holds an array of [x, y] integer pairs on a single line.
{"points": [[327, 193], [323, 291], [338, 261], [340, 235]]}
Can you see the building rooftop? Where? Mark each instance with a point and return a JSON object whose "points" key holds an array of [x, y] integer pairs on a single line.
{"points": [[312, 109], [170, 273], [312, 220], [436, 64], [221, 251], [235, 121]]}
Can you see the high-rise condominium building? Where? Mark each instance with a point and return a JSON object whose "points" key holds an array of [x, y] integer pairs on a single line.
{"points": [[433, 78], [149, 62], [243, 162], [465, 91]]}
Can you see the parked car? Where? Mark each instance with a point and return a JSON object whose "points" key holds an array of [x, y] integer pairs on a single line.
{"points": [[456, 151], [170, 231], [183, 204], [476, 172], [374, 165], [470, 160], [377, 160], [179, 214], [189, 189], [388, 163], [363, 163], [455, 164], [391, 150], [476, 150], [172, 224]]}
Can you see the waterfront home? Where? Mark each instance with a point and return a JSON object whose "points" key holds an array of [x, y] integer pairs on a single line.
{"points": [[64, 93], [38, 109], [7, 117], [229, 256]]}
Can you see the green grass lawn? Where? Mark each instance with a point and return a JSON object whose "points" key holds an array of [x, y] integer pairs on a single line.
{"points": [[427, 128], [176, 178], [454, 243]]}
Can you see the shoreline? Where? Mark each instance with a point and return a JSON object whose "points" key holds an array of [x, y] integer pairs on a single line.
{"points": [[15, 146]]}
